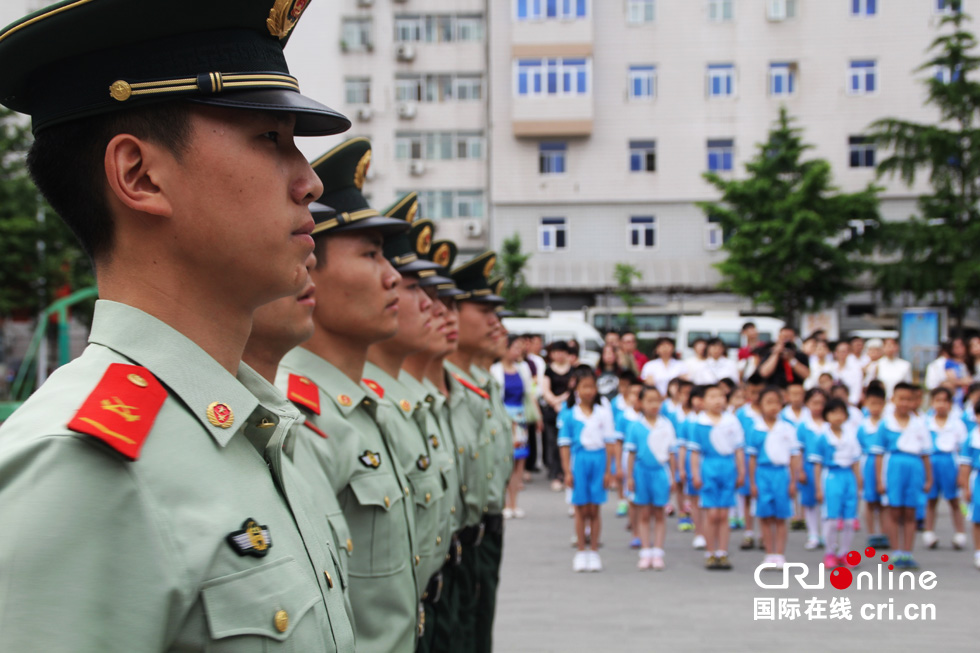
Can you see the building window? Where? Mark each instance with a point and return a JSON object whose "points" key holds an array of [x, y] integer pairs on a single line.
{"points": [[552, 234], [357, 34], [445, 204], [944, 6], [946, 75], [436, 146], [781, 9], [864, 7], [640, 11], [714, 234], [553, 9], [552, 77], [357, 90], [408, 145], [468, 87], [469, 28], [551, 158], [782, 79], [862, 78], [642, 232], [438, 88], [469, 145], [643, 156], [721, 10], [643, 82], [408, 28], [721, 80], [721, 155], [862, 152]]}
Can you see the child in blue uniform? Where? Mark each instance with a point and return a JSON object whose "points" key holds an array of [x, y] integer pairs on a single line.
{"points": [[676, 416], [970, 482], [812, 424], [904, 438], [585, 433], [718, 466], [794, 412], [948, 435], [773, 460], [652, 446], [747, 415], [624, 417], [694, 408], [867, 433], [835, 456]]}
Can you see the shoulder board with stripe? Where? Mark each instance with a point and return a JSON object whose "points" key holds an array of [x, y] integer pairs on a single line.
{"points": [[304, 392], [469, 386], [375, 387], [121, 409]]}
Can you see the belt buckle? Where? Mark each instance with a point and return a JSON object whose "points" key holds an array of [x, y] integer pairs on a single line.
{"points": [[481, 529], [421, 628], [458, 551]]}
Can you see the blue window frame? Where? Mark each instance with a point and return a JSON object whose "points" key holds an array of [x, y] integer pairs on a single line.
{"points": [[782, 79], [721, 80], [552, 77], [642, 82], [552, 234], [642, 233], [551, 158], [862, 152], [864, 7], [862, 77], [643, 156], [721, 155]]}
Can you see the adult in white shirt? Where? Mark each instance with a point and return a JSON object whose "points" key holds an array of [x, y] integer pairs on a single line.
{"points": [[820, 362], [847, 370], [890, 369], [858, 353], [936, 370], [717, 366], [662, 369]]}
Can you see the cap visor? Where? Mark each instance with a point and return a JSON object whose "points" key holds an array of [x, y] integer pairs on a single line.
{"points": [[418, 265], [450, 292], [312, 118], [386, 226], [487, 299], [435, 280]]}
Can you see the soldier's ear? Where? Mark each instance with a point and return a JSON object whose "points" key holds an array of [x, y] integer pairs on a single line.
{"points": [[133, 169]]}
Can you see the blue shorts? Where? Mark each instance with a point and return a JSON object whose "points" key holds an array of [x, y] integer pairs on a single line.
{"points": [[652, 486], [905, 478], [974, 510], [718, 476], [808, 490], [870, 480], [588, 475], [840, 494], [689, 488], [772, 483], [944, 476]]}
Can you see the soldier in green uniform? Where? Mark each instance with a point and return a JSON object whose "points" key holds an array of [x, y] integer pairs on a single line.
{"points": [[478, 324], [441, 607], [357, 305], [146, 500]]}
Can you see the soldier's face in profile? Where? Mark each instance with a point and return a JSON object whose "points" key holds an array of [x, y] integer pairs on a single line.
{"points": [[415, 320], [357, 288], [478, 323], [286, 322]]}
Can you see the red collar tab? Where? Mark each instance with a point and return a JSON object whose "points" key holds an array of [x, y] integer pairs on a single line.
{"points": [[466, 384], [375, 386]]}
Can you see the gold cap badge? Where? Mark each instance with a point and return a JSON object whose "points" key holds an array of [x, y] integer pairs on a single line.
{"points": [[488, 268], [360, 173], [424, 242], [441, 257], [284, 15]]}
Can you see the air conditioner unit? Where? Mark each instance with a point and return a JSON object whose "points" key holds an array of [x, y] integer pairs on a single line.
{"points": [[405, 52], [365, 3], [417, 168], [364, 114], [474, 229], [407, 110], [777, 10]]}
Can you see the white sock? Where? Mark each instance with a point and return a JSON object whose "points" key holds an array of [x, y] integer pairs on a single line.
{"points": [[657, 551], [749, 534], [829, 536], [720, 553], [739, 508], [812, 522], [846, 536]]}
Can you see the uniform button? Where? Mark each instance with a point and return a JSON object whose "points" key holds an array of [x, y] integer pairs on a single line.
{"points": [[462, 450], [281, 620], [387, 502], [486, 509], [476, 455], [406, 492], [428, 496], [452, 510], [417, 561], [463, 488], [329, 580], [489, 476], [489, 414], [350, 545], [493, 431], [438, 539]]}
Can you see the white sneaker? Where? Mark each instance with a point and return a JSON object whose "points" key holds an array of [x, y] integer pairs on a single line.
{"points": [[519, 513], [574, 541], [780, 561], [571, 511], [976, 559], [959, 541], [508, 513], [699, 542], [580, 562], [594, 562], [811, 544], [929, 540]]}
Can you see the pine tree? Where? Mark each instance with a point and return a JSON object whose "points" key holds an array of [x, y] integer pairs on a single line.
{"points": [[511, 264], [938, 251], [789, 242]]}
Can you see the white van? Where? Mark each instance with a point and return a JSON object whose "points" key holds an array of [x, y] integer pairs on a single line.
{"points": [[726, 325], [561, 328]]}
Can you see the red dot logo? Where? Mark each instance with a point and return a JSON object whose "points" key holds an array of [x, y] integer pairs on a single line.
{"points": [[890, 567], [884, 558], [870, 552], [853, 558], [841, 578]]}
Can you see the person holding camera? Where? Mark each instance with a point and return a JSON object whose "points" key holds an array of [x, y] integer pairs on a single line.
{"points": [[781, 363]]}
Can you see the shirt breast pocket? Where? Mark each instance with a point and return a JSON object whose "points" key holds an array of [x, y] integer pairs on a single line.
{"points": [[268, 608], [428, 491], [378, 527]]}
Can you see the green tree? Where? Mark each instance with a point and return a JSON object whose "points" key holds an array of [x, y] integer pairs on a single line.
{"points": [[510, 265], [938, 251], [789, 241], [31, 274], [625, 274]]}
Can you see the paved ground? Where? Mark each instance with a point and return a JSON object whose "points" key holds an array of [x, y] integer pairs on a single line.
{"points": [[543, 606]]}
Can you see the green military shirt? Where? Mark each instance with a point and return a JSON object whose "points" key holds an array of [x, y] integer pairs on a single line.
{"points": [[202, 542], [471, 426], [430, 403], [375, 497], [504, 436], [396, 414]]}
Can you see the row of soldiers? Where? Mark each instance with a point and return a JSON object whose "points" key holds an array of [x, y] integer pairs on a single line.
{"points": [[283, 434]]}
